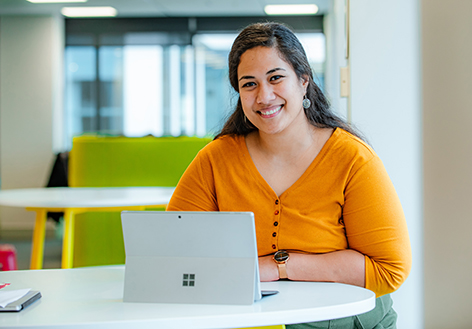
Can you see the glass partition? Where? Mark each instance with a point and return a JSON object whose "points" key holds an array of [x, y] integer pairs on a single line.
{"points": [[157, 83]]}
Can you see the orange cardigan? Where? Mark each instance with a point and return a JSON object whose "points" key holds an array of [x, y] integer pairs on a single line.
{"points": [[345, 199]]}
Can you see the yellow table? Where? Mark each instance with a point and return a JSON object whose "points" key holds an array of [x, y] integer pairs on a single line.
{"points": [[73, 201]]}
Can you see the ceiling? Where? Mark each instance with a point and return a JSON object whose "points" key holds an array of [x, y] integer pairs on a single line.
{"points": [[160, 8]]}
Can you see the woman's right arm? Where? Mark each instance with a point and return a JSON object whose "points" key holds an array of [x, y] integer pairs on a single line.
{"points": [[196, 189]]}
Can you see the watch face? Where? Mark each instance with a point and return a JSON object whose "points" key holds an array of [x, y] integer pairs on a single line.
{"points": [[281, 256]]}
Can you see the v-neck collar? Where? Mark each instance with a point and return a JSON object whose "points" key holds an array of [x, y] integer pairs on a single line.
{"points": [[251, 166]]}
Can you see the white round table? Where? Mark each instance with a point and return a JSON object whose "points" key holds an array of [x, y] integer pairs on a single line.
{"points": [[76, 200], [93, 298]]}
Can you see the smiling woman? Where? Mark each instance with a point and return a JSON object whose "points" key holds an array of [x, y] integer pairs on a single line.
{"points": [[271, 92], [325, 208]]}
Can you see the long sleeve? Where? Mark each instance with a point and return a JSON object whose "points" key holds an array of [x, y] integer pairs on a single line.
{"points": [[196, 189], [376, 227]]}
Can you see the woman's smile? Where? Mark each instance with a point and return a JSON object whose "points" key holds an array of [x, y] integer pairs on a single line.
{"points": [[270, 112]]}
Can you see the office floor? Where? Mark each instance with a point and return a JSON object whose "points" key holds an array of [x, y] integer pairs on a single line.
{"points": [[52, 252]]}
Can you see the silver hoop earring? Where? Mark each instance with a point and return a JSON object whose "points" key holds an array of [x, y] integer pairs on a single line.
{"points": [[245, 119], [306, 102]]}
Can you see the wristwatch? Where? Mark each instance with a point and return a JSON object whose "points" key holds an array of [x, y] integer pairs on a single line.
{"points": [[281, 257]]}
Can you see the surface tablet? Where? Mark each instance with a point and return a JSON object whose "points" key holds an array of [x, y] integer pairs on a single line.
{"points": [[190, 257], [22, 303]]}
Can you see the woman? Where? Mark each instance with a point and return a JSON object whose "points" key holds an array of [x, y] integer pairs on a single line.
{"points": [[325, 208]]}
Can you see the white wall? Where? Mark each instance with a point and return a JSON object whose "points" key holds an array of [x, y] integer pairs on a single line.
{"points": [[447, 89], [30, 97], [386, 107]]}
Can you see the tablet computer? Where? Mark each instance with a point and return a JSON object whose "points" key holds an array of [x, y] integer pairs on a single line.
{"points": [[22, 303], [191, 257]]}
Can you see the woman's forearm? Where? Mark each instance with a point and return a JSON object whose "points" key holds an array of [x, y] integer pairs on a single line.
{"points": [[344, 266]]}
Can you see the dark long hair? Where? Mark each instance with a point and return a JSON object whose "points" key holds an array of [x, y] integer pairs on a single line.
{"points": [[280, 37]]}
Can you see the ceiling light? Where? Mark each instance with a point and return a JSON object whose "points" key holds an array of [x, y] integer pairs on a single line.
{"points": [[55, 1], [291, 9], [89, 11]]}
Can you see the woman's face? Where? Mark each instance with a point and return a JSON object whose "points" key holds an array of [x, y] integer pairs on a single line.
{"points": [[270, 91]]}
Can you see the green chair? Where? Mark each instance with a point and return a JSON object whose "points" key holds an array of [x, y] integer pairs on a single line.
{"points": [[97, 161]]}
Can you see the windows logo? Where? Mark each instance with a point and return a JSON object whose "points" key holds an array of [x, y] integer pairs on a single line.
{"points": [[188, 280]]}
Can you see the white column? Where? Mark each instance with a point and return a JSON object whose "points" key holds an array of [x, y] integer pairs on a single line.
{"points": [[447, 114], [59, 139], [386, 106], [30, 96]]}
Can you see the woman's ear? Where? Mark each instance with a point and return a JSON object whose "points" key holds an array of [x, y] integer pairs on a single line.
{"points": [[305, 80]]}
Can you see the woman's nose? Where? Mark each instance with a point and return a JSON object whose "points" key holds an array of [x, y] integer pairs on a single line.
{"points": [[265, 94]]}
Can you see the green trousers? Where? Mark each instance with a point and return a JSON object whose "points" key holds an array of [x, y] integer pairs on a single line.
{"points": [[381, 317]]}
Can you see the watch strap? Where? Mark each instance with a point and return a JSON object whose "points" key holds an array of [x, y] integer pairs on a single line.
{"points": [[282, 270]]}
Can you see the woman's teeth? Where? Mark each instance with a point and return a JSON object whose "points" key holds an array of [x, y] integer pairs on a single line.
{"points": [[271, 111]]}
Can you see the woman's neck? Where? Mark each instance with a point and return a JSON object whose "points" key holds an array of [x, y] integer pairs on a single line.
{"points": [[289, 142]]}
